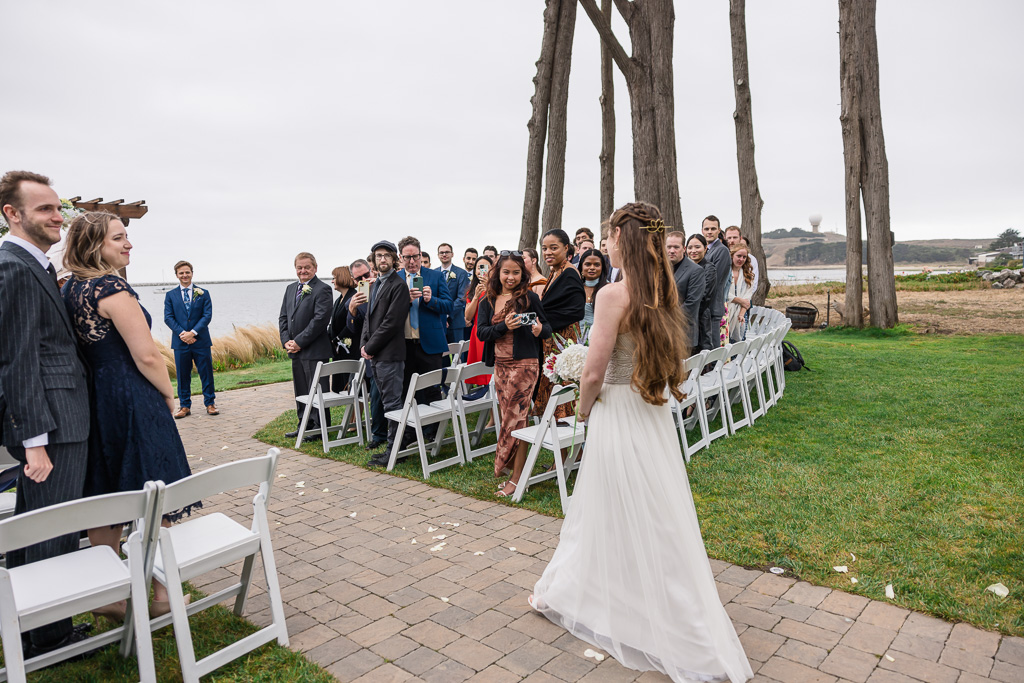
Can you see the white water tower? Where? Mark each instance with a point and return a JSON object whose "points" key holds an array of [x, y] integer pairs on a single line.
{"points": [[815, 219]]}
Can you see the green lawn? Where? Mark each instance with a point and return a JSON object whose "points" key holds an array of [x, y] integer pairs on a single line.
{"points": [[263, 372], [903, 450]]}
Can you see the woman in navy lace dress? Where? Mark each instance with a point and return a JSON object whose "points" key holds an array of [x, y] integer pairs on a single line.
{"points": [[133, 438]]}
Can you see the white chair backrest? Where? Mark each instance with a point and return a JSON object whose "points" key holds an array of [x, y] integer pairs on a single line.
{"points": [[218, 479], [474, 370], [455, 348], [426, 380], [340, 367], [714, 357], [71, 517], [560, 393]]}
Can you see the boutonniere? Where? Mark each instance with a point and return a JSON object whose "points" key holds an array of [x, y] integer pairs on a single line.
{"points": [[306, 289], [196, 292], [451, 275]]}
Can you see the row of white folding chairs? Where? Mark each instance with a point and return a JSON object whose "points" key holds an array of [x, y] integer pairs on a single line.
{"points": [[735, 373], [61, 587]]}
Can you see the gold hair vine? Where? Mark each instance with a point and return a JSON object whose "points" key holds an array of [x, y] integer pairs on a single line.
{"points": [[657, 225]]}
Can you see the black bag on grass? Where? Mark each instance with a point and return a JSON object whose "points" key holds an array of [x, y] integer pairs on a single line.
{"points": [[791, 358]]}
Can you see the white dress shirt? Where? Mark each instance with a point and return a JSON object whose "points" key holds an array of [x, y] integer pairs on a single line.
{"points": [[38, 255]]}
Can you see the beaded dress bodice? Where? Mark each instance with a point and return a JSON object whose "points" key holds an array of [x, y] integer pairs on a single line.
{"points": [[620, 366]]}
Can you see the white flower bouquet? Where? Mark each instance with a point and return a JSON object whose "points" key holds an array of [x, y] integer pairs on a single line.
{"points": [[566, 363]]}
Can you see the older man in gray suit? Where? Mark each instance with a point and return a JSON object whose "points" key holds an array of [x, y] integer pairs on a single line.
{"points": [[44, 405], [690, 283], [718, 258], [305, 313]]}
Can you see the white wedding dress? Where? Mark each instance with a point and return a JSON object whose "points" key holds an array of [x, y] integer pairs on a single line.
{"points": [[630, 574]]}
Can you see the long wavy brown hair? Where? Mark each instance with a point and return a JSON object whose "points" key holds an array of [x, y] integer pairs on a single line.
{"points": [[654, 314], [83, 244], [519, 301], [748, 267]]}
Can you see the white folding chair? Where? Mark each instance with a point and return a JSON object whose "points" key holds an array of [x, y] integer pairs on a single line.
{"points": [[780, 369], [454, 352], [484, 407], [205, 543], [735, 383], [712, 390], [550, 434], [691, 387], [321, 400], [60, 587], [753, 377], [416, 415], [7, 500], [765, 364]]}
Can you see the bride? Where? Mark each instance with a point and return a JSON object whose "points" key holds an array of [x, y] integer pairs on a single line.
{"points": [[630, 574]]}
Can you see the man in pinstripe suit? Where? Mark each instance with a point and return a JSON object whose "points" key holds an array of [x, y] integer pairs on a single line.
{"points": [[44, 405]]}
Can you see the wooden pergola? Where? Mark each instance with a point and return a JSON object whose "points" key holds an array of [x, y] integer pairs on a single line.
{"points": [[125, 212]]}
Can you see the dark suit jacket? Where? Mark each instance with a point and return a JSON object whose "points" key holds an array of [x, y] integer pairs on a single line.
{"points": [[565, 300], [690, 282], [305, 322], [42, 379], [433, 314], [718, 257], [458, 286], [384, 326], [198, 318]]}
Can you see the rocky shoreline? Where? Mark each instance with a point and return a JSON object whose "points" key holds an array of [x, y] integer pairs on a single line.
{"points": [[1004, 279]]}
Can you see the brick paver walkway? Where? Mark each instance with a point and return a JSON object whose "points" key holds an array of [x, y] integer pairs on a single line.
{"points": [[387, 579]]}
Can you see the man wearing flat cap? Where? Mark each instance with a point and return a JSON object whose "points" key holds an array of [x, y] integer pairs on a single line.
{"points": [[383, 339]]}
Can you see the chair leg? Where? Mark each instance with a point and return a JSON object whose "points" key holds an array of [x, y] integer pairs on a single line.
{"points": [[270, 574], [179, 616], [10, 629], [396, 446], [531, 462], [302, 425], [246, 580], [442, 427], [323, 426], [422, 449], [139, 619]]}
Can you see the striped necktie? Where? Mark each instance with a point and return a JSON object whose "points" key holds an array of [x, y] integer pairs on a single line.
{"points": [[187, 299]]}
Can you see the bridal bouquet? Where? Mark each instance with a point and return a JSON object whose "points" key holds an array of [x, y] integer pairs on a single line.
{"points": [[566, 363]]}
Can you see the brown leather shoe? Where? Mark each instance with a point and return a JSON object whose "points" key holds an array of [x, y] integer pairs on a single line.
{"points": [[182, 412], [212, 410]]}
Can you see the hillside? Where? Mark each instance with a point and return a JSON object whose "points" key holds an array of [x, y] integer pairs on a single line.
{"points": [[776, 248]]}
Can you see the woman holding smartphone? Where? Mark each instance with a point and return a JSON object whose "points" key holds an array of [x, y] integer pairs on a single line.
{"points": [[511, 323], [477, 289]]}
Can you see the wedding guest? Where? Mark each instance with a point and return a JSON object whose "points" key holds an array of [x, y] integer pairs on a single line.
{"points": [[469, 259], [425, 260], [734, 236], [491, 252], [383, 339], [305, 313], [342, 345], [690, 282], [355, 320], [696, 251], [133, 438], [740, 290], [477, 290], [512, 346], [425, 338], [581, 234], [565, 301], [537, 279], [47, 412], [592, 269], [188, 311], [458, 284], [717, 256]]}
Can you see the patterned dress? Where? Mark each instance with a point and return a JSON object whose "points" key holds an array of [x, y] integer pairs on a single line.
{"points": [[514, 381]]}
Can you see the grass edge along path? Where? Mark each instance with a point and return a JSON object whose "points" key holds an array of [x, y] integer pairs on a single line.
{"points": [[897, 456], [211, 629], [263, 371]]}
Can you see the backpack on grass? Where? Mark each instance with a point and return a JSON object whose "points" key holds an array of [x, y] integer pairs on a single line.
{"points": [[791, 358]]}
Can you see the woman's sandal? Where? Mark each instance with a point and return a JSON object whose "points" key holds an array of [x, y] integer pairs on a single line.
{"points": [[114, 612], [532, 600], [501, 492]]}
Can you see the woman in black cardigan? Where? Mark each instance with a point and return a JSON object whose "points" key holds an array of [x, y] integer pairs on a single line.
{"points": [[565, 301], [512, 345], [696, 250], [337, 328]]}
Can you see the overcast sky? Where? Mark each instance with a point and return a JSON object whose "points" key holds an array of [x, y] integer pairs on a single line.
{"points": [[254, 130]]}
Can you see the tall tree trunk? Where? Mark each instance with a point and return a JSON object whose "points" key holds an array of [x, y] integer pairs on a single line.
{"points": [[554, 175], [875, 183], [538, 125], [750, 194], [850, 119], [648, 74], [607, 124]]}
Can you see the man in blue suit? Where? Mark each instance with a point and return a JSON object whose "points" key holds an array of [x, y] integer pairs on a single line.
{"points": [[426, 339], [458, 284], [188, 311]]}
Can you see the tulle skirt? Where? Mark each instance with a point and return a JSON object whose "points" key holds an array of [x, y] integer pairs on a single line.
{"points": [[630, 574]]}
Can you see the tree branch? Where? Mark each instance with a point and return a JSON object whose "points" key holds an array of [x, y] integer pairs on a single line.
{"points": [[626, 9], [604, 29]]}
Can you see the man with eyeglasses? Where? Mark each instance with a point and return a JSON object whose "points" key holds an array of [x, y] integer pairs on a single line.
{"points": [[458, 284], [426, 340]]}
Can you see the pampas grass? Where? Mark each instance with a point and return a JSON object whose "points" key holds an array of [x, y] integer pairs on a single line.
{"points": [[244, 347]]}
